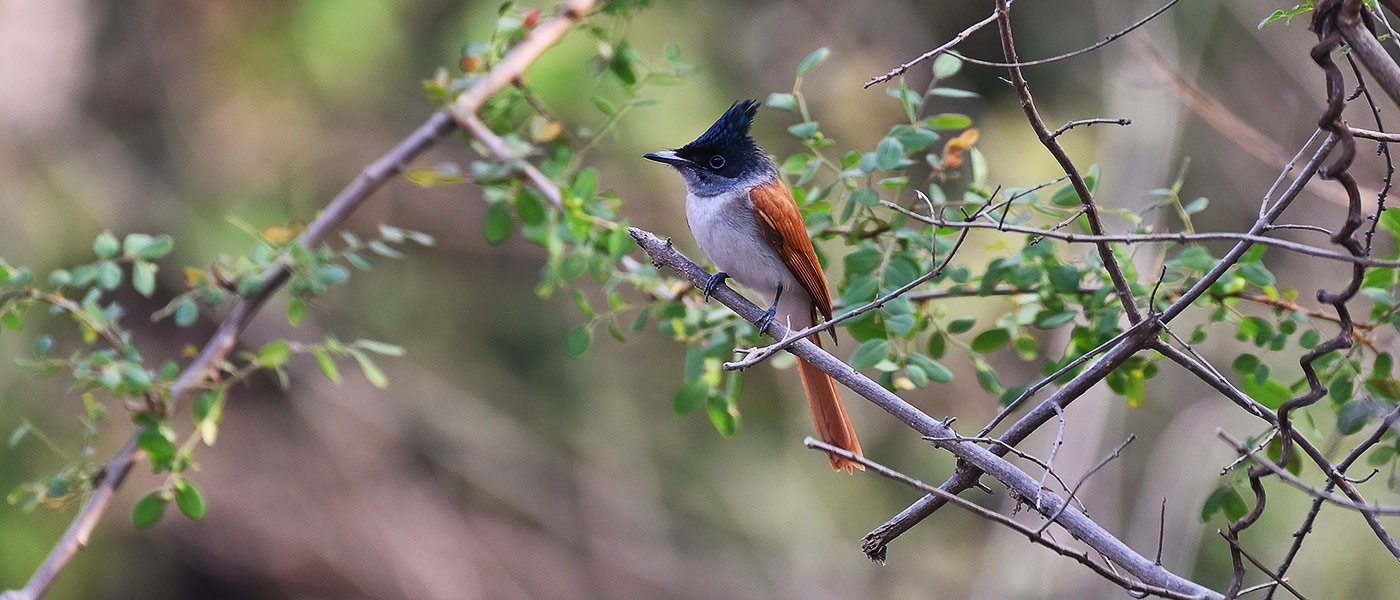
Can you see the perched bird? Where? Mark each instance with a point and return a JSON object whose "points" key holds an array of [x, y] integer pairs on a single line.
{"points": [[746, 221]]}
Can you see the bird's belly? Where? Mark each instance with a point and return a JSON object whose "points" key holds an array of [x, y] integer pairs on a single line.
{"points": [[726, 231]]}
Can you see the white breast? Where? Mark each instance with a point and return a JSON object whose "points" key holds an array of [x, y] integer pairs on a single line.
{"points": [[725, 228]]}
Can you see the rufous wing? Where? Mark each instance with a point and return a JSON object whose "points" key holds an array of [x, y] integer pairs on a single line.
{"points": [[783, 229]]}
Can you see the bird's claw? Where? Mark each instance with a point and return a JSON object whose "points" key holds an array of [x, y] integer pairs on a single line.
{"points": [[767, 319], [713, 283]]}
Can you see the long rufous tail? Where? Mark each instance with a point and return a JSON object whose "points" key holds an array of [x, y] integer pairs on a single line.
{"points": [[829, 414]]}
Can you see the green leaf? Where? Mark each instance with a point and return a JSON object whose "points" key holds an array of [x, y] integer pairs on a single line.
{"points": [[327, 364], [1065, 196], [1257, 274], [1353, 415], [109, 275], [379, 347], [805, 129], [869, 354], [530, 207], [1381, 456], [376, 377], [106, 246], [149, 509], [962, 325], [498, 224], [296, 312], [690, 397], [1196, 205], [208, 410], [190, 499], [889, 154], [1270, 392], [578, 341], [43, 345], [186, 312], [723, 414], [1064, 278], [986, 377], [143, 277], [18, 434], [275, 354], [158, 442], [947, 121], [947, 92], [1234, 505], [932, 368], [946, 65], [866, 197], [812, 60], [990, 340], [782, 101]]}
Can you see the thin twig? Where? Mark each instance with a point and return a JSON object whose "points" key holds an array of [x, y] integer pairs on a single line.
{"points": [[1108, 39], [1076, 179], [996, 517], [1290, 479], [1151, 238], [957, 39], [1090, 473], [1099, 121]]}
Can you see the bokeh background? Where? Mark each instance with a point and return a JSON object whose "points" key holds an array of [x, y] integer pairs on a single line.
{"points": [[497, 467]]}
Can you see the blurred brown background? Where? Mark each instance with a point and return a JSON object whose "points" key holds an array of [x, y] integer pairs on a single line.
{"points": [[495, 466]]}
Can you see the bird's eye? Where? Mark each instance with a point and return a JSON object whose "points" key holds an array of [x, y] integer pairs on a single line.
{"points": [[716, 162]]}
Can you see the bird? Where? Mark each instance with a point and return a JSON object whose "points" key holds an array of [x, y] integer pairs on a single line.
{"points": [[746, 221]]}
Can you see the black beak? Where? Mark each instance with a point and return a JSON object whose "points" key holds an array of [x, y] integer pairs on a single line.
{"points": [[668, 157]]}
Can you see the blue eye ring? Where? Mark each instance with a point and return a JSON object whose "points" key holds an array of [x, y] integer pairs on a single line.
{"points": [[716, 162]]}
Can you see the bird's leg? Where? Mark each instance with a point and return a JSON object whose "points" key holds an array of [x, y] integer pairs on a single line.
{"points": [[767, 318], [713, 283]]}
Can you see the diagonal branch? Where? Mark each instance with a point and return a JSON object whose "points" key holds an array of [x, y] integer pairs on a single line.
{"points": [[1000, 519], [1023, 486], [1076, 179], [206, 363]]}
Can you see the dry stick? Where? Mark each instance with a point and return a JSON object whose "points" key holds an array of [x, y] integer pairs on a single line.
{"points": [[1021, 484], [1091, 211], [996, 517], [1232, 393], [1108, 39], [1290, 479], [206, 364], [1073, 493], [1098, 121], [957, 39], [1368, 50], [1149, 238], [1306, 527], [876, 541], [1277, 579]]}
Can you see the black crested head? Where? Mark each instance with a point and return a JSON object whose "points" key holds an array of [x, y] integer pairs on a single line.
{"points": [[732, 127], [725, 149]]}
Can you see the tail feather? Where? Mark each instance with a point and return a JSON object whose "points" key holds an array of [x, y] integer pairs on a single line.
{"points": [[829, 414]]}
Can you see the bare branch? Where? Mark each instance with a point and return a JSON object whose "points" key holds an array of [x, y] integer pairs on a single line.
{"points": [[1021, 484], [1091, 211], [1152, 238], [1290, 479], [996, 517], [1108, 39], [957, 39], [1097, 121]]}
